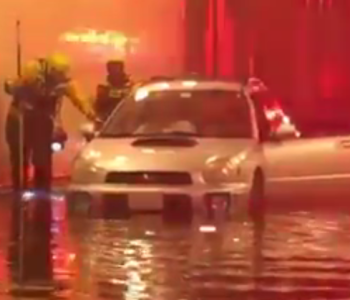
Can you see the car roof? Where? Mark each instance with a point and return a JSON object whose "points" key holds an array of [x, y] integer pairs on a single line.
{"points": [[192, 84]]}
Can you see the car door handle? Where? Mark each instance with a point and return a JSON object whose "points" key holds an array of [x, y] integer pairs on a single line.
{"points": [[345, 144]]}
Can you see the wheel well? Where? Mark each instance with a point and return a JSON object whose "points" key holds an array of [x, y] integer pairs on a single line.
{"points": [[257, 205]]}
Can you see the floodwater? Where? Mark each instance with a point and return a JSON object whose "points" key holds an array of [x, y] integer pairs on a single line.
{"points": [[293, 255]]}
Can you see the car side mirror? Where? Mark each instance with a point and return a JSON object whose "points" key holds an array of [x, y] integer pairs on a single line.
{"points": [[88, 131], [285, 131]]}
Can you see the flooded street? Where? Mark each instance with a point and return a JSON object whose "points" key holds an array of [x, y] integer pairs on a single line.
{"points": [[299, 255]]}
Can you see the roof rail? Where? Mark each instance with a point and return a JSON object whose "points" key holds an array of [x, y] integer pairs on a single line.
{"points": [[155, 79], [158, 78], [187, 76]]}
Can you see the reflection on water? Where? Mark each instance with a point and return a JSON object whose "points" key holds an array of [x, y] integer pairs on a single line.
{"points": [[294, 256]]}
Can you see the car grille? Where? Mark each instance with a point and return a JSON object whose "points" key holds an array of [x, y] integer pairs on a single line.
{"points": [[148, 178]]}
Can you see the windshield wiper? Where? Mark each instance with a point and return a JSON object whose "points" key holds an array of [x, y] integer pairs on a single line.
{"points": [[113, 135], [151, 135], [180, 133]]}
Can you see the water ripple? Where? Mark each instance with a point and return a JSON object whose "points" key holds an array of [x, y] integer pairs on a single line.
{"points": [[294, 256]]}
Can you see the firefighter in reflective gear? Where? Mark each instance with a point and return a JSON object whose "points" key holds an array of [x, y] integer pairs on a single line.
{"points": [[37, 100], [117, 86]]}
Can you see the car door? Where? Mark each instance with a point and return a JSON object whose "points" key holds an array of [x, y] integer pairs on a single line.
{"points": [[316, 165]]}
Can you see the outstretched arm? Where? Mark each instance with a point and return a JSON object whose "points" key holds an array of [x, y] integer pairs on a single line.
{"points": [[79, 100]]}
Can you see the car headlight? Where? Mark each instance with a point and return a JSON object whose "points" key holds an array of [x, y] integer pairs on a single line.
{"points": [[216, 175], [85, 165], [86, 158], [86, 171], [222, 170]]}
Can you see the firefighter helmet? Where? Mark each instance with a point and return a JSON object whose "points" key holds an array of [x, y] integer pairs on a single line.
{"points": [[115, 64], [59, 63], [31, 71]]}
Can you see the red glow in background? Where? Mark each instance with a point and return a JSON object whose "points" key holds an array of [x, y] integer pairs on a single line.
{"points": [[300, 48]]}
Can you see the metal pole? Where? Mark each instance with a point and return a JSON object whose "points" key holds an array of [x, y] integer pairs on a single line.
{"points": [[19, 48], [21, 159], [19, 73]]}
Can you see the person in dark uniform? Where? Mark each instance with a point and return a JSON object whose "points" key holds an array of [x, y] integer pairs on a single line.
{"points": [[37, 99], [117, 86]]}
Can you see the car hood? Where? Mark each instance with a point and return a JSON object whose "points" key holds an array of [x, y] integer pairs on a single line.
{"points": [[121, 154]]}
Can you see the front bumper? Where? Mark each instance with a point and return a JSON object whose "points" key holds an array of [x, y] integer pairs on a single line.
{"points": [[156, 198]]}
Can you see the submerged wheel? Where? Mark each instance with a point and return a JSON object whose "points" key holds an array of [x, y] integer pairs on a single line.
{"points": [[257, 201]]}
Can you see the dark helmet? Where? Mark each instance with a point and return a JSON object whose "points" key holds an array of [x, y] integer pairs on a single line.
{"points": [[115, 65]]}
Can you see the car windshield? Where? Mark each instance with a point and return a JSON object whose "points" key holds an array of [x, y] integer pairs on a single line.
{"points": [[203, 113]]}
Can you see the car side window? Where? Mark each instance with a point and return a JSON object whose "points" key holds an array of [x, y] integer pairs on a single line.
{"points": [[264, 126], [240, 112]]}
